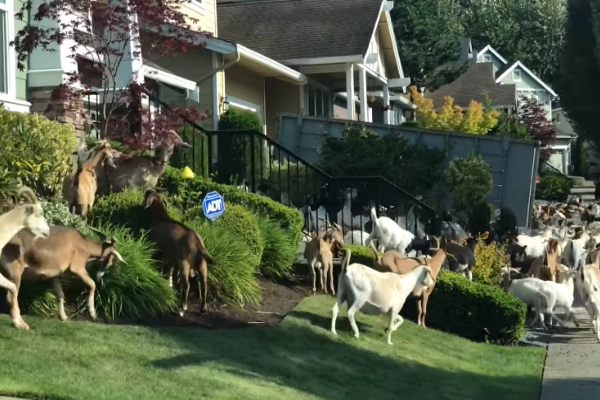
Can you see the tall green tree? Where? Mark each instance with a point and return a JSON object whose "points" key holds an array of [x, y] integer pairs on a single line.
{"points": [[579, 78], [531, 31], [428, 34]]}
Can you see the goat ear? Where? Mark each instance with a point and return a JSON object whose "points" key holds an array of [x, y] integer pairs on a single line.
{"points": [[149, 199]]}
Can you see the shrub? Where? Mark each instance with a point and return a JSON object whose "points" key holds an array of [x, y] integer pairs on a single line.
{"points": [[36, 151], [489, 258], [189, 193], [279, 253], [469, 309], [361, 152], [126, 209], [359, 254], [231, 278], [553, 188], [135, 290], [295, 179], [57, 213], [237, 151], [470, 181], [243, 224]]}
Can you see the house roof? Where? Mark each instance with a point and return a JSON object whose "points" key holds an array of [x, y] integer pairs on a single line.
{"points": [[505, 68], [527, 71], [562, 124], [472, 85], [299, 29], [493, 51]]}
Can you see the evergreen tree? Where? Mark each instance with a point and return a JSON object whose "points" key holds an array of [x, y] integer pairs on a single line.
{"points": [[428, 34], [579, 82]]}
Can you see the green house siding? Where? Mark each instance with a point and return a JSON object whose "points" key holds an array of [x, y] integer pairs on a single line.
{"points": [[21, 76]]}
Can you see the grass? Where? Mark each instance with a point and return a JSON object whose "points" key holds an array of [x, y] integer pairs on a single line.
{"points": [[297, 359]]}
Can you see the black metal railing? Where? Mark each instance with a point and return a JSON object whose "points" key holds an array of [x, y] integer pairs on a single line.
{"points": [[546, 168]]}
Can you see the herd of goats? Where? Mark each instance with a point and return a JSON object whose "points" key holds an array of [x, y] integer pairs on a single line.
{"points": [[547, 264]]}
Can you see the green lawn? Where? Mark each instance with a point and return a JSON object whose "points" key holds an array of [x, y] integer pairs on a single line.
{"points": [[299, 359]]}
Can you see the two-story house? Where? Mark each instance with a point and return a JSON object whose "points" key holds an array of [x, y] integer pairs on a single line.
{"points": [[268, 57], [506, 83]]}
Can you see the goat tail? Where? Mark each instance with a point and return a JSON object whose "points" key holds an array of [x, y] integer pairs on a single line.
{"points": [[202, 250], [346, 261]]}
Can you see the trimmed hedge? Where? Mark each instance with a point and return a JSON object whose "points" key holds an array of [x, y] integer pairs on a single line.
{"points": [[279, 253], [126, 209], [472, 310], [553, 187], [189, 193], [243, 224]]}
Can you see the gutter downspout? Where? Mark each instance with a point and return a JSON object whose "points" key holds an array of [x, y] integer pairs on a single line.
{"points": [[219, 69]]}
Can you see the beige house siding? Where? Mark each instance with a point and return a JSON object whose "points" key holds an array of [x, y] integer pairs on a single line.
{"points": [[192, 65], [281, 97], [206, 20], [247, 86]]}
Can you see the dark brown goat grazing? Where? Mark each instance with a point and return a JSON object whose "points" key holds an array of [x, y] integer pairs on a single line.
{"points": [[65, 249], [178, 246]]}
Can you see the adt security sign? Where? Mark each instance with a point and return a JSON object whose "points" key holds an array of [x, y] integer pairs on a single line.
{"points": [[213, 205]]}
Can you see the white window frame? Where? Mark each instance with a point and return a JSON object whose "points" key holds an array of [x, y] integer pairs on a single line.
{"points": [[9, 99], [326, 93], [516, 77], [197, 5], [245, 105], [487, 57]]}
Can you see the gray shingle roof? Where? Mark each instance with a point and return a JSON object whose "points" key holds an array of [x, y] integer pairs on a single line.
{"points": [[505, 68], [477, 80], [292, 29]]}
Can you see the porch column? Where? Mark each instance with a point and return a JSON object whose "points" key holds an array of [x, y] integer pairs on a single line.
{"points": [[386, 101], [564, 161], [350, 91], [362, 85]]}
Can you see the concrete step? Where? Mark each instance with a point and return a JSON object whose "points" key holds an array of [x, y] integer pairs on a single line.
{"points": [[582, 190]]}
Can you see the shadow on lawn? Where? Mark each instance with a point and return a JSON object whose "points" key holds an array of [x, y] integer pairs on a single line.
{"points": [[295, 356]]}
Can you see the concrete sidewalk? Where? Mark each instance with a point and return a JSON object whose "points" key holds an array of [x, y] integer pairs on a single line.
{"points": [[572, 368]]}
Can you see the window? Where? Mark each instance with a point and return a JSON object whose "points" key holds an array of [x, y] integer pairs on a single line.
{"points": [[318, 102], [6, 28], [516, 75], [487, 58], [197, 5]]}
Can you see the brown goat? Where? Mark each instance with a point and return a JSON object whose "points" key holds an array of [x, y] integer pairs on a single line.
{"points": [[66, 249], [421, 294], [393, 261], [180, 246], [142, 172], [545, 268], [80, 188], [319, 254]]}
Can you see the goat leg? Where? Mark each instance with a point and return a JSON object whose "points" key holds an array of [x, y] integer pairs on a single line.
{"points": [[314, 277], [203, 284], [331, 279], [89, 282], [60, 295], [352, 310], [184, 282], [13, 298], [323, 274]]}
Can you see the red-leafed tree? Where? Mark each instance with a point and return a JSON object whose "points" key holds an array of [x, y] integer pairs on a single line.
{"points": [[532, 114], [111, 34]]}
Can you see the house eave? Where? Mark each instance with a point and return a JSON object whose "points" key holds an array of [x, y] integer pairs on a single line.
{"points": [[359, 58], [280, 70]]}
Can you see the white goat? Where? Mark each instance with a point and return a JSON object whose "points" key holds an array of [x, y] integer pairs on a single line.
{"points": [[344, 216], [588, 286], [317, 219], [534, 246], [544, 296], [389, 234], [371, 292], [356, 237]]}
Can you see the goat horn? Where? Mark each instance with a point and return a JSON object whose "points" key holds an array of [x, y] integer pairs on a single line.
{"points": [[27, 194], [119, 256], [101, 234]]}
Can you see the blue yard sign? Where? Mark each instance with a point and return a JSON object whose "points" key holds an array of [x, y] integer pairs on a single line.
{"points": [[213, 205]]}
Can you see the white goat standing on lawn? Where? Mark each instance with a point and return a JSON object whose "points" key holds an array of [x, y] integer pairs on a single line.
{"points": [[373, 292]]}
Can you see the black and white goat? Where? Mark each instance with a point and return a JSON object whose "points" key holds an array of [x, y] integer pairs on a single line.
{"points": [[463, 257]]}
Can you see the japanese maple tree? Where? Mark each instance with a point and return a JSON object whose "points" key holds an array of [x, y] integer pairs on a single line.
{"points": [[451, 117], [113, 33], [532, 115]]}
